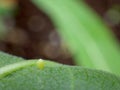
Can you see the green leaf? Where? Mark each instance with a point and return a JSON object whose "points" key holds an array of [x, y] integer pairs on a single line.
{"points": [[53, 76], [6, 59], [91, 42]]}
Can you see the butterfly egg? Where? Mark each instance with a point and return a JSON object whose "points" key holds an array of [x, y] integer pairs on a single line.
{"points": [[40, 64]]}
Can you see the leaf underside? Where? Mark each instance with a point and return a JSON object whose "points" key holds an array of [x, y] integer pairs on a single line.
{"points": [[55, 77]]}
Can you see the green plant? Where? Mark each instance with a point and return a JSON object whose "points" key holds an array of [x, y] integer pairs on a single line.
{"points": [[90, 41], [16, 74], [92, 45]]}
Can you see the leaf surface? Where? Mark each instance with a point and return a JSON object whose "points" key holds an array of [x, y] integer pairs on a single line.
{"points": [[54, 77]]}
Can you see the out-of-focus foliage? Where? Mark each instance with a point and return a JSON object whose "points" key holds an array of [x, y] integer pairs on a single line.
{"points": [[86, 35], [2, 29], [6, 6], [6, 9]]}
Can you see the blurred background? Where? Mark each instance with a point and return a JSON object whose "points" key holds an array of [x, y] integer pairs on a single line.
{"points": [[28, 32]]}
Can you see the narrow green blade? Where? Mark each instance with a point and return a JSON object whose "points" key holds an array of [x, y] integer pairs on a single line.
{"points": [[88, 38]]}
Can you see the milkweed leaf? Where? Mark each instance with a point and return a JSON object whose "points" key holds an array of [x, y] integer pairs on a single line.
{"points": [[54, 77]]}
